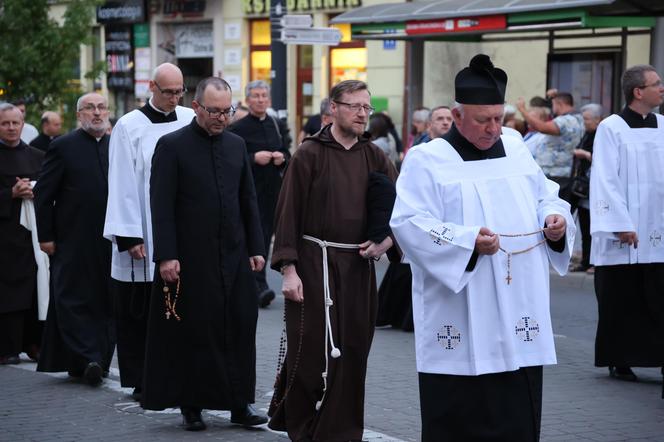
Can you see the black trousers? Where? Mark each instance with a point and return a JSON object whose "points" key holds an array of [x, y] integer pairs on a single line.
{"points": [[586, 239], [132, 305], [630, 326], [19, 331], [491, 407]]}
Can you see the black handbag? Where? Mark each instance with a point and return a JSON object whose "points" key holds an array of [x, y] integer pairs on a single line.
{"points": [[580, 186]]}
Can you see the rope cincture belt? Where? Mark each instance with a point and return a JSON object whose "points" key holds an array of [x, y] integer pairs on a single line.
{"points": [[335, 352]]}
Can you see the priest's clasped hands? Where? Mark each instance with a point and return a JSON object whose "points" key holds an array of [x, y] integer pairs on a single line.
{"points": [[265, 157], [22, 188], [488, 242]]}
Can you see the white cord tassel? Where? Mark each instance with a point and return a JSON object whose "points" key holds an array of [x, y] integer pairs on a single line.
{"points": [[335, 352]]}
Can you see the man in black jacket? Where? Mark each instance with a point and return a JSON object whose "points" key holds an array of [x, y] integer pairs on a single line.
{"points": [[70, 203], [267, 140]]}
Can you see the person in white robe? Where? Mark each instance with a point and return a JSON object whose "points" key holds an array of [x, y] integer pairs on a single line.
{"points": [[627, 228], [128, 221], [480, 224]]}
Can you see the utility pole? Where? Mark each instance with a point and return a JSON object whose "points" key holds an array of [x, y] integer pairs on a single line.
{"points": [[278, 73]]}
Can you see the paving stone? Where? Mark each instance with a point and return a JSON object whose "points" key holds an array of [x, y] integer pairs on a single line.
{"points": [[580, 401]]}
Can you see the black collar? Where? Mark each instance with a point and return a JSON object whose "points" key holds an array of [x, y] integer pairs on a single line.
{"points": [[90, 136], [157, 117], [636, 121], [468, 151], [21, 145], [202, 132]]}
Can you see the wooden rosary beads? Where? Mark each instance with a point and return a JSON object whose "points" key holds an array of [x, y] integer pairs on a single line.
{"points": [[170, 303], [283, 347]]}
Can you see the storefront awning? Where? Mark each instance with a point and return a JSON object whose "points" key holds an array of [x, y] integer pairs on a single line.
{"points": [[462, 19], [426, 10]]}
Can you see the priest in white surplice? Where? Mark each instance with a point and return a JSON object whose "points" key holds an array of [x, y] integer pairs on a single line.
{"points": [[627, 227], [128, 221], [479, 224]]}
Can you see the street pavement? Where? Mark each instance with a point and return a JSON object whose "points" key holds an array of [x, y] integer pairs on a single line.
{"points": [[581, 403]]}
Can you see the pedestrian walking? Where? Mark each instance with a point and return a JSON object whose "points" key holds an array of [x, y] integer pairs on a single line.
{"points": [[324, 244], [20, 329], [201, 340], [70, 204], [268, 141], [128, 221], [626, 224], [479, 223]]}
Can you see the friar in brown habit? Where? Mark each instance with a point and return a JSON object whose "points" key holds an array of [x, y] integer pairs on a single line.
{"points": [[325, 247]]}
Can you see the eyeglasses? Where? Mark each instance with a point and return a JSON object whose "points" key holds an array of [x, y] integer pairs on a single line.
{"points": [[656, 84], [355, 107], [170, 93], [90, 107], [216, 113]]}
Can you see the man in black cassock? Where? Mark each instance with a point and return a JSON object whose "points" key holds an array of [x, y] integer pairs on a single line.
{"points": [[200, 349], [70, 204], [267, 139], [19, 163], [51, 127]]}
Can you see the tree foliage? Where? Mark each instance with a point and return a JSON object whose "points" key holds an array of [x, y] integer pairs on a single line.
{"points": [[39, 58]]}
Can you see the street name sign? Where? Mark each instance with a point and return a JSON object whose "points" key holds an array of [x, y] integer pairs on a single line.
{"points": [[311, 36]]}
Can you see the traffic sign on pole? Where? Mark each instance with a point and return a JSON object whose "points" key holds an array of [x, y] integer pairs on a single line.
{"points": [[311, 36], [297, 21]]}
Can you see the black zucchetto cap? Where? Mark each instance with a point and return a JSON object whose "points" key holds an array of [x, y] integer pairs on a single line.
{"points": [[480, 83]]}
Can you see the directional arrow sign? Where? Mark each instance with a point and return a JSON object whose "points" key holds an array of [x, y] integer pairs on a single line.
{"points": [[311, 36], [297, 21]]}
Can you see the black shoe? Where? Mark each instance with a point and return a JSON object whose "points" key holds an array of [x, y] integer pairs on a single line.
{"points": [[247, 417], [191, 419], [137, 394], [33, 352], [10, 360], [265, 298], [93, 374], [75, 373], [622, 373]]}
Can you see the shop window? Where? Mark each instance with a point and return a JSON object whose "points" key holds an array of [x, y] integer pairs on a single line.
{"points": [[589, 77], [260, 60], [348, 60], [348, 64]]}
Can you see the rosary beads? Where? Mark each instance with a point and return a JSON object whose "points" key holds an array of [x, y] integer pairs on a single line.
{"points": [[170, 303], [508, 278]]}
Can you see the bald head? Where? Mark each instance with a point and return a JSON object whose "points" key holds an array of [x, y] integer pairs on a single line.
{"points": [[51, 123], [167, 72], [167, 87]]}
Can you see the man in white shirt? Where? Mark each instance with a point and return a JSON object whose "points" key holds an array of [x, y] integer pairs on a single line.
{"points": [[128, 219], [479, 224], [627, 224]]}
